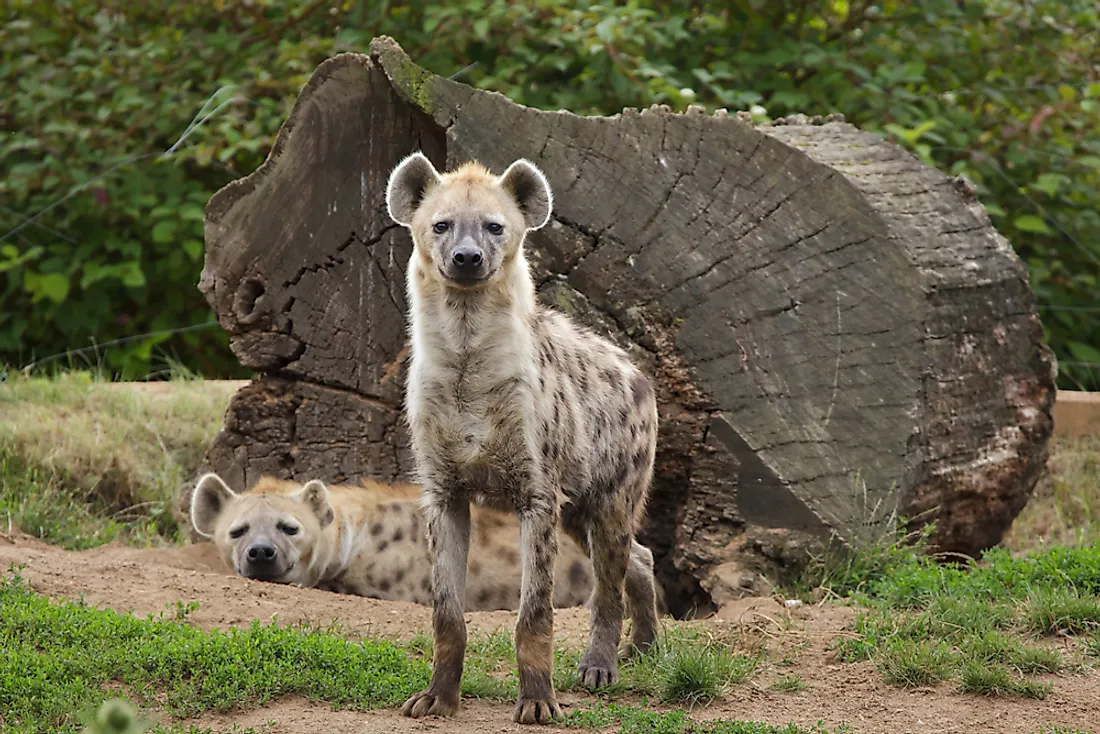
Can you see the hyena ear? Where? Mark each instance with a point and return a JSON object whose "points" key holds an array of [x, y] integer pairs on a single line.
{"points": [[531, 191], [314, 495], [209, 499], [409, 182]]}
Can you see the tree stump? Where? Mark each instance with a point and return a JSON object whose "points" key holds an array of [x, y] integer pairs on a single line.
{"points": [[838, 334]]}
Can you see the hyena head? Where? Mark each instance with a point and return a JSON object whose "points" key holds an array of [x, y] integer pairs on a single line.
{"points": [[267, 534], [467, 225]]}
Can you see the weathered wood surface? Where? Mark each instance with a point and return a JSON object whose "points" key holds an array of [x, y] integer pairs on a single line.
{"points": [[837, 332]]}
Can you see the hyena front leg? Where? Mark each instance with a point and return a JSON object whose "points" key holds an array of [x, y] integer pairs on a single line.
{"points": [[448, 525], [609, 541], [537, 703]]}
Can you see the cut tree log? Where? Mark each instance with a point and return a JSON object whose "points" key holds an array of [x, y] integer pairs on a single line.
{"points": [[838, 334]]}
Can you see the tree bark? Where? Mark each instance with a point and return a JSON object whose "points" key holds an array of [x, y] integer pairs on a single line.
{"points": [[838, 334]]}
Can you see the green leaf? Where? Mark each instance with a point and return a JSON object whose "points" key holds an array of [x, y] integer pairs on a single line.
{"points": [[1031, 223], [164, 231], [1084, 352], [54, 286]]}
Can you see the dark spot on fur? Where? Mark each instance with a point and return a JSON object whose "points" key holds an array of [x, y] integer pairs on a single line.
{"points": [[624, 416], [483, 598], [542, 383], [641, 388], [557, 408], [384, 586], [640, 459], [426, 585], [546, 449], [510, 557], [399, 576], [383, 545], [577, 574], [376, 529], [608, 376], [398, 535], [475, 566], [414, 533], [582, 379]]}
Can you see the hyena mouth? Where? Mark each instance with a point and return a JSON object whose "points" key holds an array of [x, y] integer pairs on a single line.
{"points": [[466, 282], [274, 575]]}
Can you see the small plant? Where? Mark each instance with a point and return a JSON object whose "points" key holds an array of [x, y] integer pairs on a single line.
{"points": [[686, 668], [913, 664], [1051, 611], [789, 684], [995, 680]]}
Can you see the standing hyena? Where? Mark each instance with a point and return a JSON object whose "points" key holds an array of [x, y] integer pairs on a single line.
{"points": [[510, 405]]}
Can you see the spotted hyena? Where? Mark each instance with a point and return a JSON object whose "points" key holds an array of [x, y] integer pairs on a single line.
{"points": [[510, 405], [367, 540]]}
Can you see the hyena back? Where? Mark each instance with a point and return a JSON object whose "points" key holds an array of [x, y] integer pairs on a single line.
{"points": [[511, 405]]}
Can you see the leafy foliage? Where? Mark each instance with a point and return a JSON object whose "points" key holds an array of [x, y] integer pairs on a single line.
{"points": [[1005, 92]]}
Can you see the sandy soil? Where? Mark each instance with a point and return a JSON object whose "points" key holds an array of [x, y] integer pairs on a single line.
{"points": [[149, 581]]}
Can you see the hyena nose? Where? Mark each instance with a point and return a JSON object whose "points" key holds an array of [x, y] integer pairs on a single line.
{"points": [[467, 259], [262, 553]]}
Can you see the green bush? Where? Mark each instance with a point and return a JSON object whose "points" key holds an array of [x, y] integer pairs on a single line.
{"points": [[1002, 91]]}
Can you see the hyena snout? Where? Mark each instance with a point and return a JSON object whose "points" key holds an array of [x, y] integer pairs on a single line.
{"points": [[468, 260], [263, 560]]}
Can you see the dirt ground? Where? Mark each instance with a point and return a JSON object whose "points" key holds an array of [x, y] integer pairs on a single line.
{"points": [[148, 581]]}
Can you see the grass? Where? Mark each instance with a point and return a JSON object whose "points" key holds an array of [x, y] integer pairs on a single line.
{"points": [[64, 659], [632, 720], [789, 684], [981, 624], [995, 680], [84, 461], [1064, 509], [684, 668]]}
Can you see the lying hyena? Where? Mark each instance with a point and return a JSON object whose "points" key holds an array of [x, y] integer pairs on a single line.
{"points": [[366, 540], [511, 405]]}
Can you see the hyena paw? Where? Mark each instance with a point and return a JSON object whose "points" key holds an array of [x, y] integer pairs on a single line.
{"points": [[536, 711], [427, 703], [594, 675]]}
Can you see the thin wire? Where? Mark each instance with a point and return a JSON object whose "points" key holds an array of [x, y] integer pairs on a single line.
{"points": [[115, 343], [127, 161], [979, 157]]}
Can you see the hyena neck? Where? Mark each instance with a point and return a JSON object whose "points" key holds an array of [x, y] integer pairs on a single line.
{"points": [[450, 324], [333, 554]]}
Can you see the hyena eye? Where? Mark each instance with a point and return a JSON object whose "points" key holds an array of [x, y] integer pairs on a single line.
{"points": [[441, 227], [494, 228], [288, 529], [238, 532]]}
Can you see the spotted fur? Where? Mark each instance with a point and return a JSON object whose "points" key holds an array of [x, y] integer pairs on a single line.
{"points": [[513, 406], [366, 539]]}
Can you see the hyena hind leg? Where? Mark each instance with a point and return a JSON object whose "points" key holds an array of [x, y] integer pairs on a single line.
{"points": [[609, 544], [641, 597]]}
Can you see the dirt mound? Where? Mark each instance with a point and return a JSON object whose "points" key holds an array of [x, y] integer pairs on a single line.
{"points": [[150, 581]]}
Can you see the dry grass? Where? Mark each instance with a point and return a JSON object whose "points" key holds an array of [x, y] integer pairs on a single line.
{"points": [[1065, 509], [80, 455]]}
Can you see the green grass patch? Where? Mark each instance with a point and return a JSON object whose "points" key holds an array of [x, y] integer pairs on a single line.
{"points": [[632, 720], [84, 461], [996, 680], [687, 668], [1062, 610], [63, 659], [914, 663], [684, 667], [974, 622], [788, 684]]}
